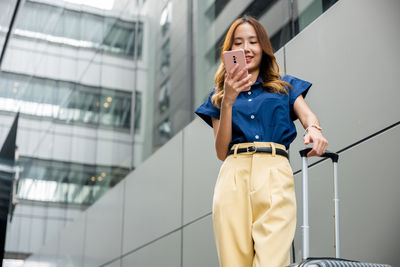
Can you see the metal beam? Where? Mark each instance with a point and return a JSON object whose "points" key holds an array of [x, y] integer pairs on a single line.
{"points": [[10, 28]]}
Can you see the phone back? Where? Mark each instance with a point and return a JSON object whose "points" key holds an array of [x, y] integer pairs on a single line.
{"points": [[233, 57]]}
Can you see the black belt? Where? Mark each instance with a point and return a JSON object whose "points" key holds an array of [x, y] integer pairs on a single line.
{"points": [[260, 149]]}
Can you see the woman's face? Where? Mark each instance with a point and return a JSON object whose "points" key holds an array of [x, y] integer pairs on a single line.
{"points": [[245, 37]]}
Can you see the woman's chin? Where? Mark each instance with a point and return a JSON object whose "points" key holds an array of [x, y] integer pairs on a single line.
{"points": [[251, 68]]}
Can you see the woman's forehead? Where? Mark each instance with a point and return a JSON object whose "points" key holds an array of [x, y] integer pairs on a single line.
{"points": [[245, 30]]}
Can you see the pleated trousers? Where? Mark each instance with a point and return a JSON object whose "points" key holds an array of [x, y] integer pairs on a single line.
{"points": [[254, 209]]}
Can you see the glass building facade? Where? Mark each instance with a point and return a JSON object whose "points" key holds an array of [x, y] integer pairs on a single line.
{"points": [[101, 86]]}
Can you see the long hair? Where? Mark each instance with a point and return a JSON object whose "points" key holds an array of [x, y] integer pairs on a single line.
{"points": [[269, 68]]}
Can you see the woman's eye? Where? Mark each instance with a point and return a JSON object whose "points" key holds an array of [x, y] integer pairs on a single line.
{"points": [[237, 43], [253, 42]]}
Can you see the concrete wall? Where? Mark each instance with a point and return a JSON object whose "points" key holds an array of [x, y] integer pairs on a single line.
{"points": [[160, 215]]}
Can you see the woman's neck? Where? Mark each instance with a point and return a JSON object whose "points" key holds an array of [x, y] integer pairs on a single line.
{"points": [[254, 75]]}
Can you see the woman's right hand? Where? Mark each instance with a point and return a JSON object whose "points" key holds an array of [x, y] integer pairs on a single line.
{"points": [[233, 85]]}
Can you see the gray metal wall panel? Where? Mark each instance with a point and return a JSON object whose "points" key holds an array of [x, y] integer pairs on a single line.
{"points": [[370, 213], [116, 263], [201, 167], [368, 191], [165, 252], [353, 65], [198, 244], [153, 198], [180, 118], [280, 59]]}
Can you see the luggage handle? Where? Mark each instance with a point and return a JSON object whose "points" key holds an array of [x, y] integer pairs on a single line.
{"points": [[333, 156], [305, 227]]}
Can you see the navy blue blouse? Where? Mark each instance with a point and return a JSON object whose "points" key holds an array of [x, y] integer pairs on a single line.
{"points": [[261, 116]]}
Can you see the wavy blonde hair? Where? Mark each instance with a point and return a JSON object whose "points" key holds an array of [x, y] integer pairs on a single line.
{"points": [[269, 68]]}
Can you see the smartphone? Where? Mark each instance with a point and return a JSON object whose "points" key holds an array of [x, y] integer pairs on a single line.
{"points": [[233, 57]]}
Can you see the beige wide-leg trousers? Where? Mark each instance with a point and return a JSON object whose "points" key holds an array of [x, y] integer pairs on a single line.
{"points": [[254, 209]]}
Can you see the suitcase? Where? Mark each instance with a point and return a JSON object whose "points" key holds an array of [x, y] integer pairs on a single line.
{"points": [[324, 262]]}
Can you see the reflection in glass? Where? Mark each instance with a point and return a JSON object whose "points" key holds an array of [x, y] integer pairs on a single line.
{"points": [[309, 10], [215, 9], [6, 11], [65, 101], [138, 110], [165, 57], [78, 28], [163, 98], [65, 182], [104, 4], [164, 131], [166, 17], [139, 42]]}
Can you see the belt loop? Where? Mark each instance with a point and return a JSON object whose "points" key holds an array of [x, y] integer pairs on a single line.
{"points": [[273, 149], [235, 150]]}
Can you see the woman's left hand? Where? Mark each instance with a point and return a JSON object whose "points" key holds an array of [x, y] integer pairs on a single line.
{"points": [[319, 142]]}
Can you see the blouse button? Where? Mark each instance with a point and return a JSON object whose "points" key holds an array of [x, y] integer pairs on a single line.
{"points": [[250, 100], [249, 92], [257, 137], [252, 117]]}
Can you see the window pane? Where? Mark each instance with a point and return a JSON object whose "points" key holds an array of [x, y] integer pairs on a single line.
{"points": [[165, 57], [163, 98], [65, 101], [138, 109], [165, 20]]}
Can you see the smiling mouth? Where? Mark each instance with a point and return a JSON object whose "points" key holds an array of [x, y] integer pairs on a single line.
{"points": [[248, 59]]}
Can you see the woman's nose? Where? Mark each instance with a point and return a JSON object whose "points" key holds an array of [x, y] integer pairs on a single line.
{"points": [[246, 45]]}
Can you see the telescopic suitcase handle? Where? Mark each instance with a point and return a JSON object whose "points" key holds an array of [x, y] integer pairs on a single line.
{"points": [[333, 156], [305, 227]]}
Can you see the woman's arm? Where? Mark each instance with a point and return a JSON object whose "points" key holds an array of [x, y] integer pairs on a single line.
{"points": [[223, 131], [223, 127], [314, 135]]}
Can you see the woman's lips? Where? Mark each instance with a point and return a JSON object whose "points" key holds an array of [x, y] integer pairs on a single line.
{"points": [[248, 59]]}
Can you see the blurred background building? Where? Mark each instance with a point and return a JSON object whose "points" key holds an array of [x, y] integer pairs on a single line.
{"points": [[76, 73], [101, 85]]}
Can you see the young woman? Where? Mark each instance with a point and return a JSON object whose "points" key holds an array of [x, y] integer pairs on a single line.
{"points": [[254, 205]]}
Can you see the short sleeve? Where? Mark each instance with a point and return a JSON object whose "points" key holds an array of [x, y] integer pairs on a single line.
{"points": [[300, 87], [208, 110]]}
